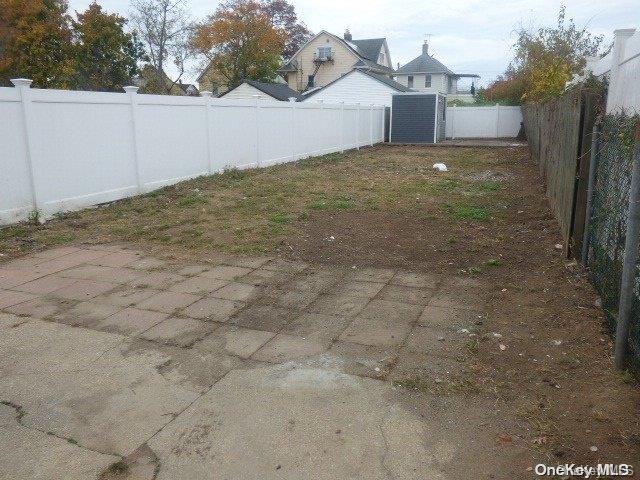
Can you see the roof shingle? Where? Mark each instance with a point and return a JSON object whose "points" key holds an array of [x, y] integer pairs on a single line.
{"points": [[279, 91], [425, 63]]}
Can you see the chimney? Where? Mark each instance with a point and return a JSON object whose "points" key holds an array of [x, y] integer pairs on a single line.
{"points": [[347, 35], [425, 48]]}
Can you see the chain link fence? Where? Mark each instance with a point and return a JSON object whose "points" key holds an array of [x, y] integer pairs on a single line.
{"points": [[609, 220]]}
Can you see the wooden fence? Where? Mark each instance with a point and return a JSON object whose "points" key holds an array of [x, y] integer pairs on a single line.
{"points": [[559, 135]]}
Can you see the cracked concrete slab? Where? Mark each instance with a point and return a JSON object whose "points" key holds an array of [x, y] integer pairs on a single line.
{"points": [[249, 368], [292, 421], [38, 456], [74, 383]]}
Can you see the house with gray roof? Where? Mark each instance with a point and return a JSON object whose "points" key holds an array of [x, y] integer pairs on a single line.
{"points": [[327, 57], [426, 74], [253, 89]]}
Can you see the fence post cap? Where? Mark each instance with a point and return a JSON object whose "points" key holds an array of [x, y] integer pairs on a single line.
{"points": [[131, 89], [206, 93], [21, 82], [624, 32]]}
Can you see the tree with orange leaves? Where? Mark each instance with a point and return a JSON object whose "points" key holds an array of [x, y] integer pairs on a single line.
{"points": [[35, 42], [240, 41]]}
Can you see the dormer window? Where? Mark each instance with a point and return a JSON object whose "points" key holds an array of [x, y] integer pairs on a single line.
{"points": [[323, 53]]}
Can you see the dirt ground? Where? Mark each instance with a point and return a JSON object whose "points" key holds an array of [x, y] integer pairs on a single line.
{"points": [[538, 383]]}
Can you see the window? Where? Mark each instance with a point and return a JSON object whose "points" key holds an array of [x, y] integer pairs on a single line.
{"points": [[324, 53], [311, 81], [410, 81], [427, 81], [381, 58]]}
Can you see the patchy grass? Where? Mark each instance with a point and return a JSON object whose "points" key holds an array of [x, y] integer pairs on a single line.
{"points": [[254, 211], [192, 200], [468, 211], [448, 387], [338, 203]]}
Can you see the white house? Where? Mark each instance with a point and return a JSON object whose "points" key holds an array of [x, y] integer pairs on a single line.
{"points": [[252, 89], [327, 57], [427, 75], [358, 86]]}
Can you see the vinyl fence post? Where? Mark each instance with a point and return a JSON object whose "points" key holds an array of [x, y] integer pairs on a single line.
{"points": [[257, 118], [24, 85], [452, 119], [207, 102], [497, 121], [132, 91], [341, 127], [630, 261], [357, 126], [593, 167], [371, 125], [292, 101]]}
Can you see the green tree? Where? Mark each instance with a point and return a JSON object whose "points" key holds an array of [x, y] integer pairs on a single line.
{"points": [[106, 58], [35, 42]]}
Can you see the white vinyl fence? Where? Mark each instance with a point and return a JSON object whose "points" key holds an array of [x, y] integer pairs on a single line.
{"points": [[483, 122], [65, 150], [622, 68]]}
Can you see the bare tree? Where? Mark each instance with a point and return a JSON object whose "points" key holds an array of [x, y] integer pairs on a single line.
{"points": [[165, 27]]}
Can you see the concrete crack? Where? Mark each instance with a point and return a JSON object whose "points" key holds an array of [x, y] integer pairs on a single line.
{"points": [[18, 409], [20, 413]]}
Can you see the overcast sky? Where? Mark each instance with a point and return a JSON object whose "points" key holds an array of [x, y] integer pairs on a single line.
{"points": [[468, 36]]}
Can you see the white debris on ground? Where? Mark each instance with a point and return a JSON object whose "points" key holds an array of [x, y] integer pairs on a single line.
{"points": [[441, 167]]}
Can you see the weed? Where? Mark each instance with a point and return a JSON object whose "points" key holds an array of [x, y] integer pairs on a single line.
{"points": [[192, 200], [475, 270], [34, 217], [494, 262], [280, 218], [468, 212], [452, 240], [66, 215], [473, 345], [490, 186], [153, 194]]}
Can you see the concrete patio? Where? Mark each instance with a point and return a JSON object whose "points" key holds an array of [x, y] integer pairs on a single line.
{"points": [[118, 365]]}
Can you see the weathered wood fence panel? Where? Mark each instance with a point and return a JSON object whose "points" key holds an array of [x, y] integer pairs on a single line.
{"points": [[559, 135], [553, 130]]}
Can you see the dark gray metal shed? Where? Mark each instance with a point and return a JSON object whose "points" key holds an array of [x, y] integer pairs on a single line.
{"points": [[418, 117]]}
